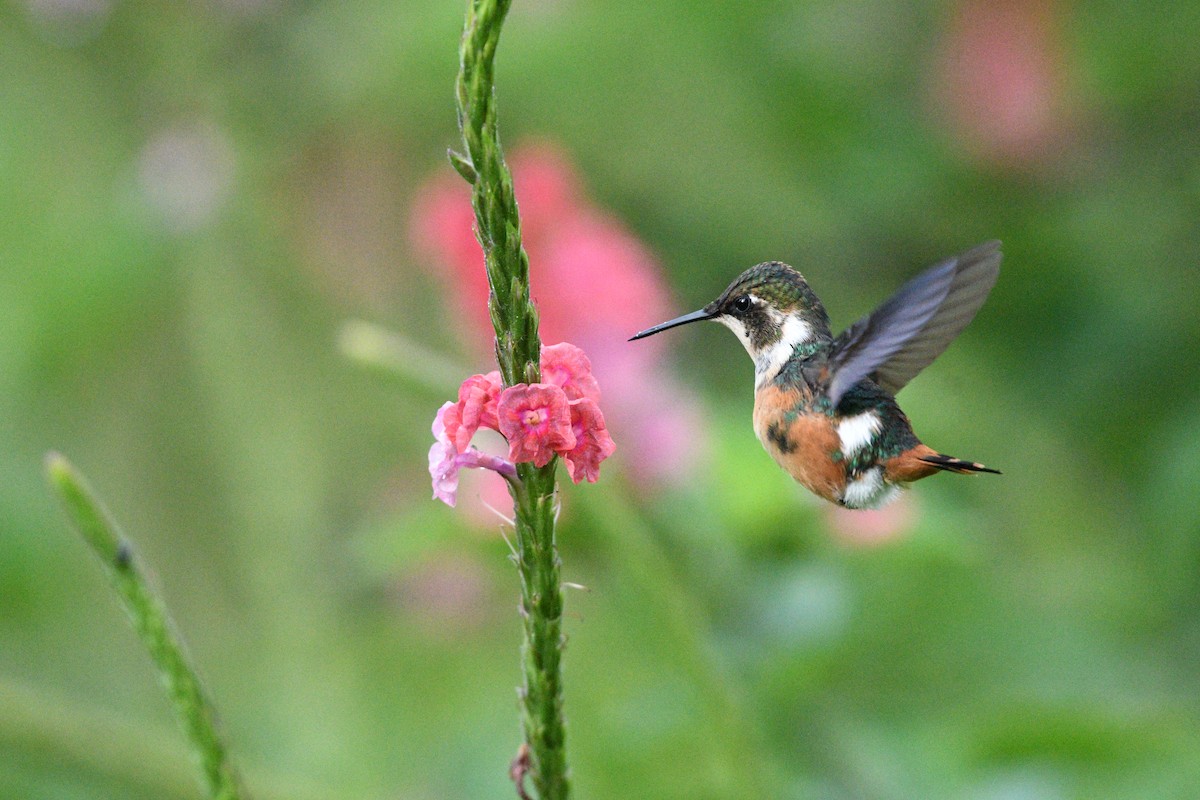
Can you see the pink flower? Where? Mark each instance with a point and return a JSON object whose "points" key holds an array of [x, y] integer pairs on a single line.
{"points": [[592, 442], [1001, 80], [476, 408], [594, 283], [443, 227], [445, 461], [536, 420], [589, 262], [540, 420], [873, 527], [567, 367]]}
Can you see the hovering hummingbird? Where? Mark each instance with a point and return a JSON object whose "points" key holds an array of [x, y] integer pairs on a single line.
{"points": [[825, 407]]}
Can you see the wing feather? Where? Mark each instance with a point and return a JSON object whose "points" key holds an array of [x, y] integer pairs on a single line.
{"points": [[915, 325]]}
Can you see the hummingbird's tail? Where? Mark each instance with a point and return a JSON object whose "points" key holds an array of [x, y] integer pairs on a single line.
{"points": [[952, 464]]}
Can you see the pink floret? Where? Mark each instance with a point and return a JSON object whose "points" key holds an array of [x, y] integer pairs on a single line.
{"points": [[592, 442], [476, 408], [566, 366], [536, 420]]}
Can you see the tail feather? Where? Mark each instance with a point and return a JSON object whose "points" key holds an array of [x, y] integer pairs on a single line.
{"points": [[952, 464]]}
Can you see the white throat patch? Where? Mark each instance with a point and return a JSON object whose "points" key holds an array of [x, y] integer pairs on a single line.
{"points": [[793, 331], [768, 361], [739, 330]]}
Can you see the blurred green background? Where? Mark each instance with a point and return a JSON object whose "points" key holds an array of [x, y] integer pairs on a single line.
{"points": [[194, 198]]}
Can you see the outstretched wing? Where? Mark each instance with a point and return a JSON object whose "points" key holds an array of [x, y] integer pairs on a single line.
{"points": [[915, 325]]}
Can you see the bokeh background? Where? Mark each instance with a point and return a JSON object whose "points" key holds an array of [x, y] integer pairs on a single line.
{"points": [[197, 198]]}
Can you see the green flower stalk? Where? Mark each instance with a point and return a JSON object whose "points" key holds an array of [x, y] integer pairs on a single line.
{"points": [[518, 350], [153, 625], [497, 223]]}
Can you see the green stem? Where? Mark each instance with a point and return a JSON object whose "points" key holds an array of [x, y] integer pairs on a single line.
{"points": [[151, 622], [541, 616], [497, 224], [515, 320]]}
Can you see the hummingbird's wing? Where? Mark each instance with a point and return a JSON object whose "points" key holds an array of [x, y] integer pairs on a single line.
{"points": [[915, 325]]}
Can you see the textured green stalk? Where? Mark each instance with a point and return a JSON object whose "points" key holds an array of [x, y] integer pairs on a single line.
{"points": [[517, 351], [497, 225], [151, 622], [541, 615]]}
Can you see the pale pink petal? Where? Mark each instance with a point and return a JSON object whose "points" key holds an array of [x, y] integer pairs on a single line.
{"points": [[452, 426], [445, 461], [439, 422], [443, 467], [444, 472]]}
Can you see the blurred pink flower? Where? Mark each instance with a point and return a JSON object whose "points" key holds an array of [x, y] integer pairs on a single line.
{"points": [[447, 595], [592, 442], [443, 230], [1001, 79], [872, 527], [594, 284], [536, 420]]}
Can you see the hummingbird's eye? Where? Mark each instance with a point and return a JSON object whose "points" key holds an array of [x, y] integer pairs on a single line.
{"points": [[742, 304]]}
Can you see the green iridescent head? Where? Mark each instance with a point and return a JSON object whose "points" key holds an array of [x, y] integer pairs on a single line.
{"points": [[772, 285], [771, 309]]}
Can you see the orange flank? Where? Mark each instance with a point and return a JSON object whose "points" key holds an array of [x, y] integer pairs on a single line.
{"points": [[803, 445]]}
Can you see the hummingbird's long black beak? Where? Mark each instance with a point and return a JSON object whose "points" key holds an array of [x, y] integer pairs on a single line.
{"points": [[695, 316]]}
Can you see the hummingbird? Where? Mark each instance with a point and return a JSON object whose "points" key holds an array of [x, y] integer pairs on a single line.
{"points": [[825, 406]]}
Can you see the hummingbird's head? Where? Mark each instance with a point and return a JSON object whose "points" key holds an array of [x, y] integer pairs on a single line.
{"points": [[771, 309]]}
